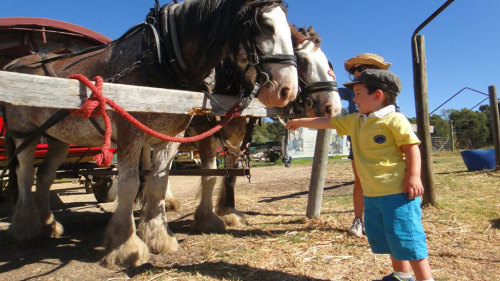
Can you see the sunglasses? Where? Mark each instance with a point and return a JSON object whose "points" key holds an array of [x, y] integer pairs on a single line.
{"points": [[359, 68]]}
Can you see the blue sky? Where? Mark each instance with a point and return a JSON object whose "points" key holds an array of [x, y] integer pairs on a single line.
{"points": [[462, 43]]}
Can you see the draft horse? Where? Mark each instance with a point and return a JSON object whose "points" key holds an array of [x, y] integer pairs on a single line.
{"points": [[176, 47], [318, 97]]}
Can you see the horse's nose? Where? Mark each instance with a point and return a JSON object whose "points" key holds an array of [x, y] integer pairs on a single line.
{"points": [[285, 94], [328, 110]]}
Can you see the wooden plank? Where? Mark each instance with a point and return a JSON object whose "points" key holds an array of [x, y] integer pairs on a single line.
{"points": [[174, 172], [49, 92], [210, 172]]}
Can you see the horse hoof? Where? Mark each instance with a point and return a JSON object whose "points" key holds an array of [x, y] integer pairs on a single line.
{"points": [[172, 204], [52, 228], [25, 224], [234, 219], [158, 239], [208, 223], [132, 253]]}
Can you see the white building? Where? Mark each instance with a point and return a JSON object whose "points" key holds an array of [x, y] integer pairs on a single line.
{"points": [[301, 143]]}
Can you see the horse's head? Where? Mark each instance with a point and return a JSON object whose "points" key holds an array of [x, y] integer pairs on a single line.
{"points": [[319, 95], [209, 30], [264, 53]]}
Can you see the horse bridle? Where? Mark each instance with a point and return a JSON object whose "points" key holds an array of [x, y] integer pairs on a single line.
{"points": [[307, 89], [170, 55], [256, 57]]}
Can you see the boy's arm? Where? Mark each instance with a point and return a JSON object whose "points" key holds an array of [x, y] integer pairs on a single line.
{"points": [[412, 184], [313, 123]]}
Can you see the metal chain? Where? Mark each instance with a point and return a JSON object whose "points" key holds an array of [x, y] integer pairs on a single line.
{"points": [[124, 72]]}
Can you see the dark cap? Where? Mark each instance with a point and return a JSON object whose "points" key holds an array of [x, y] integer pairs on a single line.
{"points": [[381, 79]]}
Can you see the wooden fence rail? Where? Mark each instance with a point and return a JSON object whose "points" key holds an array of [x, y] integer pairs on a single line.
{"points": [[49, 92]]}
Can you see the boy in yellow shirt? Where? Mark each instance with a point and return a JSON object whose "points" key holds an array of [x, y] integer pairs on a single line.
{"points": [[387, 159]]}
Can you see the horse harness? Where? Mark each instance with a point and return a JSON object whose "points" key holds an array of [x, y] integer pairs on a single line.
{"points": [[160, 52], [307, 89]]}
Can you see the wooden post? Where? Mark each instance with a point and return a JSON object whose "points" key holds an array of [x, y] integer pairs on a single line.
{"points": [[317, 181], [452, 137], [492, 90], [423, 125]]}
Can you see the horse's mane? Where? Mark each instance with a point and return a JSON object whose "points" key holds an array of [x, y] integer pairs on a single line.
{"points": [[301, 34], [223, 14]]}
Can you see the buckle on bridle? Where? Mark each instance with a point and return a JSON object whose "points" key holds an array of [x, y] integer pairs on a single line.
{"points": [[253, 59]]}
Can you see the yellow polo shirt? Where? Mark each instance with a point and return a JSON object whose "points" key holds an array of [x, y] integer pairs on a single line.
{"points": [[375, 141]]}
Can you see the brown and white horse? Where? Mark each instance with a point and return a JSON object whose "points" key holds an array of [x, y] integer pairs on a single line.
{"points": [[319, 97], [176, 48]]}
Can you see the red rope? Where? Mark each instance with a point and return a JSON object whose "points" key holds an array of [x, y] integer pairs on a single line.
{"points": [[96, 106]]}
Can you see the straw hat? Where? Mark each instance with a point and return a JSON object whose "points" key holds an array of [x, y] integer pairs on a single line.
{"points": [[367, 58]]}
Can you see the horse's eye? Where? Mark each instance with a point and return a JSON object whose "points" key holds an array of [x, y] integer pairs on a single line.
{"points": [[244, 61], [308, 103]]}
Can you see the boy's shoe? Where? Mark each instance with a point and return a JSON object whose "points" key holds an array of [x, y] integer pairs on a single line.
{"points": [[356, 228], [392, 277]]}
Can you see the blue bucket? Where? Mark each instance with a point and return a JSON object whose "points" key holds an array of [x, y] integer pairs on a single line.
{"points": [[480, 159]]}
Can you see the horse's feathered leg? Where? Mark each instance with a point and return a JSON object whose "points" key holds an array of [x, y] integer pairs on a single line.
{"points": [[172, 203], [46, 174], [205, 220], [25, 224], [153, 228], [122, 245], [226, 203]]}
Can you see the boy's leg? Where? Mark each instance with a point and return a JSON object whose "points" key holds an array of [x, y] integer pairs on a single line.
{"points": [[358, 204], [422, 269], [400, 266], [358, 197]]}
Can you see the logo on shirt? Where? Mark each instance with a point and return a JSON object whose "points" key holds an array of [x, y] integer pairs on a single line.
{"points": [[379, 139]]}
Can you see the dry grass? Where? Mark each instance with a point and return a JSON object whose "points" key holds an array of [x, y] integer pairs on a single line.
{"points": [[281, 244]]}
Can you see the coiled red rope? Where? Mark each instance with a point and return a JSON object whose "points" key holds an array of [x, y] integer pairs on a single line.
{"points": [[96, 106]]}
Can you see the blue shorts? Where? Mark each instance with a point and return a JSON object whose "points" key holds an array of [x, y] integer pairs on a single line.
{"points": [[393, 225]]}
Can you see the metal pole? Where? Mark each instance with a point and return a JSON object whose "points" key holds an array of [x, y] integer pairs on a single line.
{"points": [[452, 137], [317, 182], [423, 124], [495, 123]]}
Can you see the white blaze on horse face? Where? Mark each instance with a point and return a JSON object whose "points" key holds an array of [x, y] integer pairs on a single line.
{"points": [[327, 102], [284, 76]]}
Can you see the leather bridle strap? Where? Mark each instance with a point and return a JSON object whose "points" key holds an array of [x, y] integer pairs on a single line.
{"points": [[320, 87]]}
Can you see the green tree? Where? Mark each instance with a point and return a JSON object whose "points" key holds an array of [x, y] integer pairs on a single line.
{"points": [[268, 130], [472, 124], [441, 126], [260, 133], [275, 131], [486, 110]]}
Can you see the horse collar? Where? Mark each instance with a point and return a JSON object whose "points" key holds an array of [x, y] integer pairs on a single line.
{"points": [[161, 24]]}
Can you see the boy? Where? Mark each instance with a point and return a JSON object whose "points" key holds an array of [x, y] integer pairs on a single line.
{"points": [[388, 163]]}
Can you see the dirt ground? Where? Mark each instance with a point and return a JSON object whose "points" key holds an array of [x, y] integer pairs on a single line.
{"points": [[75, 256], [278, 243]]}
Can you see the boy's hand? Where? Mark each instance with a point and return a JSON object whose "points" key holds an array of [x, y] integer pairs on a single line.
{"points": [[292, 124], [413, 186]]}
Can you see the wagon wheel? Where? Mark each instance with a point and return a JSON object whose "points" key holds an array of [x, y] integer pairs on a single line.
{"points": [[101, 187]]}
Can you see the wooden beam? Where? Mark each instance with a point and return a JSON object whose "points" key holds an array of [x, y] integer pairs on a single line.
{"points": [[49, 92], [174, 172]]}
